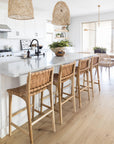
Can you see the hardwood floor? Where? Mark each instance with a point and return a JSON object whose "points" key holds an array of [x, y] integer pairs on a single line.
{"points": [[92, 124]]}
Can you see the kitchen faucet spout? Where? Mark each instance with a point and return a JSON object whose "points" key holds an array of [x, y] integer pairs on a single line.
{"points": [[38, 52]]}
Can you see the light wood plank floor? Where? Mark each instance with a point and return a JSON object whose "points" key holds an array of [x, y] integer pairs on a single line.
{"points": [[92, 124]]}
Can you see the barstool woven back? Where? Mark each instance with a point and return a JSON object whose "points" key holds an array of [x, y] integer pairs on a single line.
{"points": [[83, 64], [39, 80], [66, 71], [95, 61]]}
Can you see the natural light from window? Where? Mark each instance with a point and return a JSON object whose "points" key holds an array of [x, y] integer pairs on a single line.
{"points": [[103, 35], [99, 35]]}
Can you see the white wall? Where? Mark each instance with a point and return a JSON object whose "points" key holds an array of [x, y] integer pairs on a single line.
{"points": [[113, 36], [27, 28], [76, 27]]}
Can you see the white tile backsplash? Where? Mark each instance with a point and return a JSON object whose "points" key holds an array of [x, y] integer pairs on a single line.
{"points": [[14, 43]]}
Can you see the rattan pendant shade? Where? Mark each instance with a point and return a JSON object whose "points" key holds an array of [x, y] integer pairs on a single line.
{"points": [[61, 14], [20, 9]]}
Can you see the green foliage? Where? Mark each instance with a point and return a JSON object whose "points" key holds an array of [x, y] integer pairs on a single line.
{"points": [[62, 43], [67, 27], [58, 34]]}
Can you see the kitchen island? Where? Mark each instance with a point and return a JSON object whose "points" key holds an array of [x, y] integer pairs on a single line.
{"points": [[13, 73]]}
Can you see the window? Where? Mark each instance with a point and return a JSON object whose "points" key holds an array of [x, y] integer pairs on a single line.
{"points": [[89, 37], [97, 35], [103, 35]]}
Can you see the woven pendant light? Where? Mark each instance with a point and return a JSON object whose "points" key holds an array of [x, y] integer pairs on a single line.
{"points": [[20, 9], [61, 14]]}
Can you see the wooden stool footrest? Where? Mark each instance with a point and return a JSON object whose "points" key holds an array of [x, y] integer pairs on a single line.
{"points": [[67, 100], [86, 81], [40, 112], [37, 111], [46, 106], [33, 123], [67, 94], [23, 109], [66, 86], [84, 88], [23, 130]]}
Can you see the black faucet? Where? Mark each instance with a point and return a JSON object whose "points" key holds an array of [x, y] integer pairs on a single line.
{"points": [[36, 52]]}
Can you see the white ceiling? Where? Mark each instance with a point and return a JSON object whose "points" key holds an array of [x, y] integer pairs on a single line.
{"points": [[77, 7]]}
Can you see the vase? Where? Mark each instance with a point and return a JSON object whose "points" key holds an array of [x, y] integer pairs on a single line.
{"points": [[56, 50]]}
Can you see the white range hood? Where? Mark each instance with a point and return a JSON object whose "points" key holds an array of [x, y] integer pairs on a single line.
{"points": [[4, 28]]}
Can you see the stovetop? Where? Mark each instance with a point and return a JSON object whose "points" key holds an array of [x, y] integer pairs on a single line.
{"points": [[5, 53], [1, 51]]}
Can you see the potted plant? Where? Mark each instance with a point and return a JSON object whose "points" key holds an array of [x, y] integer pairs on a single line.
{"points": [[99, 50], [59, 45], [58, 35]]}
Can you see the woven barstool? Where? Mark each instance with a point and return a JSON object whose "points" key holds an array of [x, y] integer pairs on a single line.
{"points": [[66, 72], [83, 68], [93, 65], [37, 82]]}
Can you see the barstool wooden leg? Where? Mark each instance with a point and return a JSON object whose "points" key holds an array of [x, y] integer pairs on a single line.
{"points": [[76, 84], [97, 68], [52, 107], [33, 99], [41, 101], [84, 79], [10, 113], [92, 87], [87, 73], [60, 103], [79, 96], [72, 93], [61, 90], [29, 121], [56, 95]]}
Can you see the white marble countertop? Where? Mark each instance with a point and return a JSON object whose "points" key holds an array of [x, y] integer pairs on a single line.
{"points": [[17, 66]]}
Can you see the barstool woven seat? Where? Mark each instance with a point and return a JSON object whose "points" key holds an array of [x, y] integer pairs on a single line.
{"points": [[37, 82], [19, 91], [66, 72], [83, 68]]}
